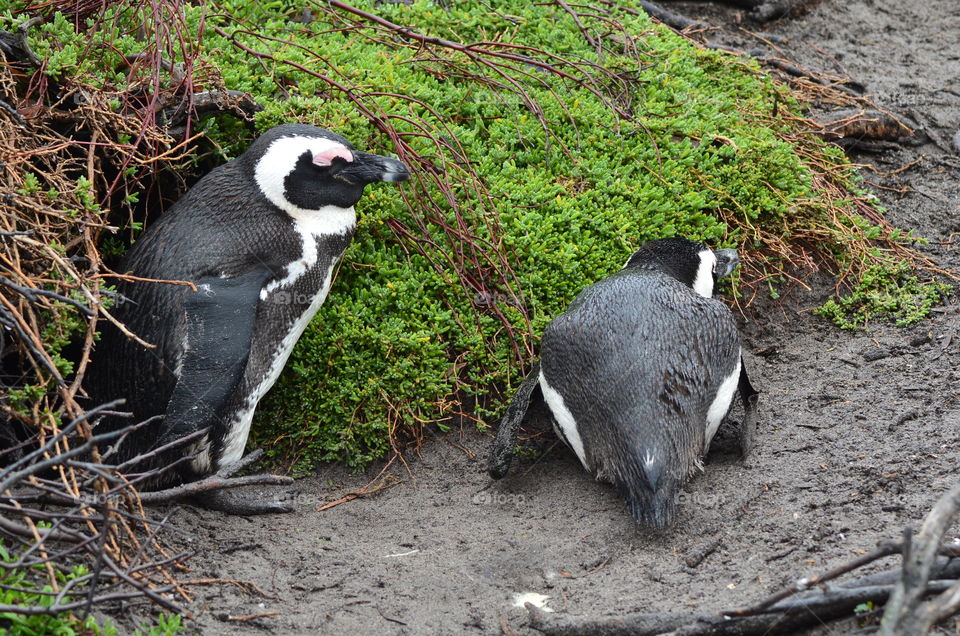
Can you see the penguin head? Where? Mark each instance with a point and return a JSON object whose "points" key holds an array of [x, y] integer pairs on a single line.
{"points": [[690, 262], [301, 169]]}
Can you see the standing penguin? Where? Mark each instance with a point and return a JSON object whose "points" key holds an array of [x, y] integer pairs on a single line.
{"points": [[259, 237], [639, 373]]}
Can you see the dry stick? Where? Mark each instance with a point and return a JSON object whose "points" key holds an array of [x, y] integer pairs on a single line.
{"points": [[131, 277], [250, 617], [815, 608], [51, 253], [75, 475], [469, 238], [474, 51], [885, 549], [29, 338], [88, 340], [576, 20], [808, 81], [22, 468], [248, 587], [52, 534], [32, 294], [902, 614], [42, 610], [366, 490], [941, 607], [152, 594], [212, 483], [221, 480], [98, 563], [696, 556], [142, 457], [55, 533]]}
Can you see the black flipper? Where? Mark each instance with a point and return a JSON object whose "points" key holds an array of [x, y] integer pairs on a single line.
{"points": [[220, 321], [749, 396], [502, 453]]}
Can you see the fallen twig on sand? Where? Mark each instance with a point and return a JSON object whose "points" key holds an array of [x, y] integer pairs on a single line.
{"points": [[385, 483], [250, 617], [248, 587]]}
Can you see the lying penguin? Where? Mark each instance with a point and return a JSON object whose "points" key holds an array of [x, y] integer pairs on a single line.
{"points": [[259, 237], [639, 373]]}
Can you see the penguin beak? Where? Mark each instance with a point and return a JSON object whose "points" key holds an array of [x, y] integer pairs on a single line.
{"points": [[727, 261], [368, 168]]}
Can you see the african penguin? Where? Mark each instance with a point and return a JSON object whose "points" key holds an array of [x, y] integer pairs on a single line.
{"points": [[259, 238], [638, 374]]}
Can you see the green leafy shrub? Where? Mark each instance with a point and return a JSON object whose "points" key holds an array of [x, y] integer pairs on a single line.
{"points": [[884, 294]]}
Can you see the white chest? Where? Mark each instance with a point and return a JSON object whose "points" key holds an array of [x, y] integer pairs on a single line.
{"points": [[311, 225]]}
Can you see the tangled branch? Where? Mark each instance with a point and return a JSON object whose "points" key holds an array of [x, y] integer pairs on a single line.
{"points": [[58, 508]]}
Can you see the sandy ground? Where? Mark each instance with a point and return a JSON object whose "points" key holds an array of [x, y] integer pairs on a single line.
{"points": [[858, 436]]}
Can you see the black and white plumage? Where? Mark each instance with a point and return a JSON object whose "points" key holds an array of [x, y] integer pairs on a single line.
{"points": [[259, 237], [638, 374]]}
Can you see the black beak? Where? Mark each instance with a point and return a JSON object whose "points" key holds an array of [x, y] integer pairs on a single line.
{"points": [[727, 261], [369, 168]]}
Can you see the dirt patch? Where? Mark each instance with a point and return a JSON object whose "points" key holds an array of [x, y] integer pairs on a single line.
{"points": [[858, 435]]}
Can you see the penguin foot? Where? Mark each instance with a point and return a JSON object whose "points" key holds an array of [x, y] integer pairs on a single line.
{"points": [[243, 504]]}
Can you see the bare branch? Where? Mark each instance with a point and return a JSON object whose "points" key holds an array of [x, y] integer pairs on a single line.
{"points": [[903, 615]]}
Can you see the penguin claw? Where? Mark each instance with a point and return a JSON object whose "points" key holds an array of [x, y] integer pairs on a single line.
{"points": [[232, 503]]}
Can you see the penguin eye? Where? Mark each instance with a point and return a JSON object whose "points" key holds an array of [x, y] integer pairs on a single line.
{"points": [[335, 166]]}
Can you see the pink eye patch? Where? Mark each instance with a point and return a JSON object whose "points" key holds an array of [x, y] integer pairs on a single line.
{"points": [[326, 157]]}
